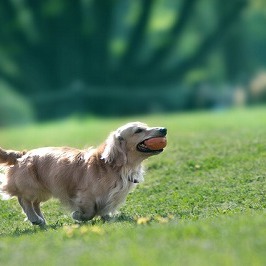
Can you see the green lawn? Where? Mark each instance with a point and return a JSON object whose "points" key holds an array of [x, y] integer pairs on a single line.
{"points": [[202, 203]]}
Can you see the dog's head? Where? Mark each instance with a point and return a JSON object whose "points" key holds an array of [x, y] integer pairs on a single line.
{"points": [[132, 143]]}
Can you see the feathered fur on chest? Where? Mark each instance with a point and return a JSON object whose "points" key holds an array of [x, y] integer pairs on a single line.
{"points": [[127, 181]]}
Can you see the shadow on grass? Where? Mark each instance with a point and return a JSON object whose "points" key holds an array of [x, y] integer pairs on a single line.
{"points": [[19, 231]]}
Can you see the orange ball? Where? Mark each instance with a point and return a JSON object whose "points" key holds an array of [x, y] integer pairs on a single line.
{"points": [[156, 143]]}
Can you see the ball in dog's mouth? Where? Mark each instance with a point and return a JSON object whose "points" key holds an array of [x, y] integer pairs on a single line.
{"points": [[152, 144]]}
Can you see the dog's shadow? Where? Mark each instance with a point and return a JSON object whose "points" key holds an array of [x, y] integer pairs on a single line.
{"points": [[122, 218]]}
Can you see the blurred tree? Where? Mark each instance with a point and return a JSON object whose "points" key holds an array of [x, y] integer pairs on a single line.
{"points": [[93, 46], [233, 47]]}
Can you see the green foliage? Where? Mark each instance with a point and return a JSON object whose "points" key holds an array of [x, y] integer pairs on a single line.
{"points": [[87, 56], [202, 203]]}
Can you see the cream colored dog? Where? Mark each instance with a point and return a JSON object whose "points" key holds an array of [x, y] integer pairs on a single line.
{"points": [[92, 182]]}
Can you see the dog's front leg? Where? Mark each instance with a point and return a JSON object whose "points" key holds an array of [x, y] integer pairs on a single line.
{"points": [[85, 213], [28, 208]]}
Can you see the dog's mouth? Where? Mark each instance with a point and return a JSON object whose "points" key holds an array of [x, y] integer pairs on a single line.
{"points": [[152, 145]]}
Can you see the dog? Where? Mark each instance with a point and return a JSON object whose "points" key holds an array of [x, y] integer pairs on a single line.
{"points": [[91, 182]]}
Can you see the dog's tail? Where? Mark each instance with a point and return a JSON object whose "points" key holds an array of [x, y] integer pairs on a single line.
{"points": [[7, 158], [10, 157]]}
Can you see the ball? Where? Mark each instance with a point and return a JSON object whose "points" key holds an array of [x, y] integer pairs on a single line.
{"points": [[156, 143]]}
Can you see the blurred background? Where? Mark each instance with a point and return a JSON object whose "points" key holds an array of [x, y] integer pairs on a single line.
{"points": [[60, 58]]}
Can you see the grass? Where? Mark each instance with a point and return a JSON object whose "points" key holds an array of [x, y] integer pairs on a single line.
{"points": [[202, 203]]}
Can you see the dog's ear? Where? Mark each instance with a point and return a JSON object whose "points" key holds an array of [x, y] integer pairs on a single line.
{"points": [[115, 150]]}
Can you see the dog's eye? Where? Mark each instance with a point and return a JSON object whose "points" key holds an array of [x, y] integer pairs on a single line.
{"points": [[139, 130]]}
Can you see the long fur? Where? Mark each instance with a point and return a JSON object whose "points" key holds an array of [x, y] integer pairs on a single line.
{"points": [[91, 182]]}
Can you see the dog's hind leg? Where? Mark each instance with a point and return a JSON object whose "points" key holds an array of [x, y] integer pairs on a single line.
{"points": [[36, 206], [28, 208]]}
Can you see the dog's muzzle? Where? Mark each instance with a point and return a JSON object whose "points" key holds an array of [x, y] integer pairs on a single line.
{"points": [[154, 144]]}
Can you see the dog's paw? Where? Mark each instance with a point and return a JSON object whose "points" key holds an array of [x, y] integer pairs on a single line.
{"points": [[82, 217], [77, 215], [40, 222]]}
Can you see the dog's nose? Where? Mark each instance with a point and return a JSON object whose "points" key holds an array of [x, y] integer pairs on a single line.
{"points": [[163, 131]]}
